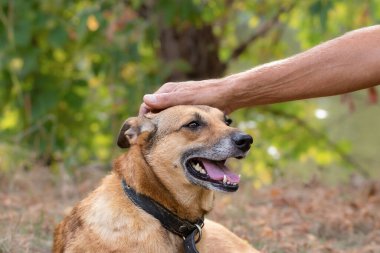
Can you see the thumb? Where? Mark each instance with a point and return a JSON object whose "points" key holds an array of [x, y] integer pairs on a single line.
{"points": [[144, 109], [160, 100]]}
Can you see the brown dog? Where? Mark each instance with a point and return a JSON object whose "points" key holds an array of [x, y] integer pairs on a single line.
{"points": [[176, 158]]}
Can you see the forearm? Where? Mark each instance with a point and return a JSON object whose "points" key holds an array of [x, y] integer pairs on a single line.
{"points": [[342, 65], [348, 63]]}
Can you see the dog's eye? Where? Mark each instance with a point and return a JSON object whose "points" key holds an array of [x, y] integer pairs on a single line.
{"points": [[193, 125], [228, 121]]}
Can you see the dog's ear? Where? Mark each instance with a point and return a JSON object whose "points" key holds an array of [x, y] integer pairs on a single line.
{"points": [[132, 129]]}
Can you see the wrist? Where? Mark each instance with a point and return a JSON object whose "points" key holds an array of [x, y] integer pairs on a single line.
{"points": [[231, 92], [241, 89]]}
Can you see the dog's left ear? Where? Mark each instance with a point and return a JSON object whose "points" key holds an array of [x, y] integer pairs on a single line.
{"points": [[132, 129]]}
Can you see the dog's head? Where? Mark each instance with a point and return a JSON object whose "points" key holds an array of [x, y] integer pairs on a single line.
{"points": [[188, 145]]}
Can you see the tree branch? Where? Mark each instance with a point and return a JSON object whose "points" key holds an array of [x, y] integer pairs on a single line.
{"points": [[261, 31]]}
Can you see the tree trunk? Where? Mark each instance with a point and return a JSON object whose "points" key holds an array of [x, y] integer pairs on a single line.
{"points": [[197, 47]]}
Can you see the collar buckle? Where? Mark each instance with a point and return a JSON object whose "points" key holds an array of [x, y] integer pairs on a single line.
{"points": [[199, 233]]}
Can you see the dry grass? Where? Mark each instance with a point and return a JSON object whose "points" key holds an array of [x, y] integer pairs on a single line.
{"points": [[281, 218], [306, 218]]}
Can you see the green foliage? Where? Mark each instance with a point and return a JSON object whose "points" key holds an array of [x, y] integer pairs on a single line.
{"points": [[67, 78], [71, 71]]}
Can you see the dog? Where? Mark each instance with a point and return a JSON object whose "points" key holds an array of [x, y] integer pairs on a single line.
{"points": [[159, 191]]}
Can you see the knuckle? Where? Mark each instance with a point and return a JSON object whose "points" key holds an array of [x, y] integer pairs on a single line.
{"points": [[169, 84]]}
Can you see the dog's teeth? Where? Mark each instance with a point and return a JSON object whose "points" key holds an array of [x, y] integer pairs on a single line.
{"points": [[197, 167], [203, 171], [224, 179]]}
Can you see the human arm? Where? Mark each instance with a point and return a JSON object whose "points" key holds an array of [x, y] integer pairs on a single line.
{"points": [[348, 63]]}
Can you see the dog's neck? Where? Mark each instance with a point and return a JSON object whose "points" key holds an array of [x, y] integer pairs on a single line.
{"points": [[189, 203]]}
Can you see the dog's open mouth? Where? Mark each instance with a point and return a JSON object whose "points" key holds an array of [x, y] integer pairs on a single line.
{"points": [[214, 172]]}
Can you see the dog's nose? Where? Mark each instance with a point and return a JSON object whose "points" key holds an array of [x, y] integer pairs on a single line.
{"points": [[242, 141]]}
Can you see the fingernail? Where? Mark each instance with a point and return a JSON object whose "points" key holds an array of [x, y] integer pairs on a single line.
{"points": [[150, 98]]}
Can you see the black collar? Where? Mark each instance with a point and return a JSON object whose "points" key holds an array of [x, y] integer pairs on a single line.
{"points": [[183, 228]]}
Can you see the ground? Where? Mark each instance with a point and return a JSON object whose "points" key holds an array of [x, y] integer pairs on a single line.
{"points": [[285, 217]]}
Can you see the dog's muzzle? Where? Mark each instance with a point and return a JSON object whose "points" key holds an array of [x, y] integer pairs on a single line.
{"points": [[207, 166]]}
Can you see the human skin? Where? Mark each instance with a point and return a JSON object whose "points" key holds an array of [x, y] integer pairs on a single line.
{"points": [[344, 64]]}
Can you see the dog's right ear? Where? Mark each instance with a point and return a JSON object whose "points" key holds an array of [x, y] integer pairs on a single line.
{"points": [[131, 130]]}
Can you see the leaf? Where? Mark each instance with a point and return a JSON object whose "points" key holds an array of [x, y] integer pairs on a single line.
{"points": [[45, 96], [22, 33], [57, 36]]}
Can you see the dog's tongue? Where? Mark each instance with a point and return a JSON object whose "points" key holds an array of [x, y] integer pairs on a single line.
{"points": [[216, 171]]}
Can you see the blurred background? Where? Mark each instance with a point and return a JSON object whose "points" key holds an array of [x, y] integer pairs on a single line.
{"points": [[72, 71]]}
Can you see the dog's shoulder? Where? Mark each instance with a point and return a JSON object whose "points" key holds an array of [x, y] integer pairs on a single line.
{"points": [[67, 230], [106, 220], [77, 227]]}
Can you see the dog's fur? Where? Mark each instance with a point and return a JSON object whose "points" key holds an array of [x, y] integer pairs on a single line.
{"points": [[107, 221]]}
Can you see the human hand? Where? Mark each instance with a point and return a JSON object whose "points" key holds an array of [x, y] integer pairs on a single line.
{"points": [[212, 92]]}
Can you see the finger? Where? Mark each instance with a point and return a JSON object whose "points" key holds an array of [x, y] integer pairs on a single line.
{"points": [[164, 100], [144, 109], [166, 88]]}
